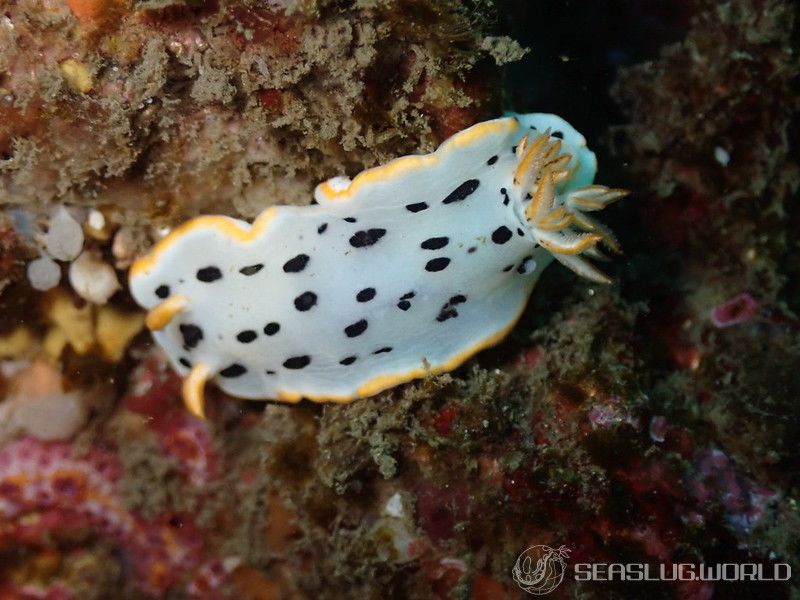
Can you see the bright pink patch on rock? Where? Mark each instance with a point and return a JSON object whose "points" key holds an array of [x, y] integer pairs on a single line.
{"points": [[740, 309]]}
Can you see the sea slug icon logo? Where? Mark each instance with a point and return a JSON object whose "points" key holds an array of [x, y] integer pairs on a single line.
{"points": [[540, 569]]}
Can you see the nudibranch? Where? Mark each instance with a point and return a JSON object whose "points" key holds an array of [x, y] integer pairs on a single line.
{"points": [[409, 268]]}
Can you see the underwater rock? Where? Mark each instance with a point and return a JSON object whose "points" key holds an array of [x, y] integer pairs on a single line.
{"points": [[167, 108]]}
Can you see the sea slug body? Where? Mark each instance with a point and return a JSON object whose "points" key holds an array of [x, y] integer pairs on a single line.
{"points": [[409, 268]]}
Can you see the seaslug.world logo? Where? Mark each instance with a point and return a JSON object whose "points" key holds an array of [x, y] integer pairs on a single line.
{"points": [[540, 569]]}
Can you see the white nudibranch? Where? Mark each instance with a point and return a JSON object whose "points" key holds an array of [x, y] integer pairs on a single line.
{"points": [[409, 269]]}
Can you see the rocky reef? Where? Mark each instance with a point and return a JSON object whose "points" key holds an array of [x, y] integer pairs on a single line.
{"points": [[650, 421]]}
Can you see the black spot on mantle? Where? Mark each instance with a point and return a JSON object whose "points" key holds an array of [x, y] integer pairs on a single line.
{"points": [[404, 303], [296, 264], [435, 243], [416, 207], [234, 370], [192, 334], [501, 235], [251, 269], [209, 274], [297, 362], [364, 238], [462, 191], [246, 336], [437, 264], [356, 329], [305, 301], [366, 294], [448, 310]]}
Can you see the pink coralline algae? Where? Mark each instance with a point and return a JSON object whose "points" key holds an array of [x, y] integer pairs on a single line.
{"points": [[57, 591], [737, 310], [45, 488], [184, 438], [188, 440]]}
